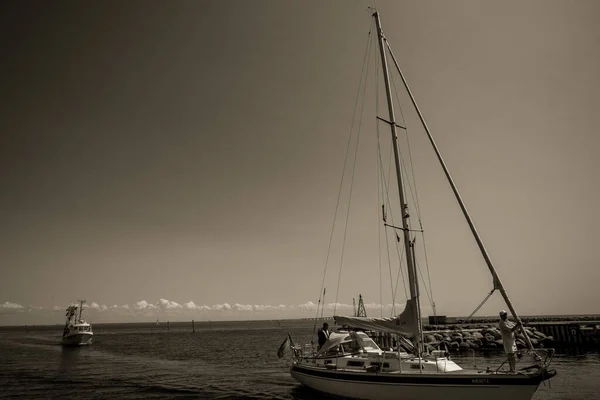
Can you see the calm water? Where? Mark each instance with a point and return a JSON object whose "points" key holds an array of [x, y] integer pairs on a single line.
{"points": [[220, 361]]}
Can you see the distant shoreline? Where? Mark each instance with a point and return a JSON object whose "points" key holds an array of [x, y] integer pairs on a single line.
{"points": [[525, 318]]}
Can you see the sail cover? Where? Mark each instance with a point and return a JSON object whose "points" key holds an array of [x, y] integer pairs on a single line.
{"points": [[404, 324]]}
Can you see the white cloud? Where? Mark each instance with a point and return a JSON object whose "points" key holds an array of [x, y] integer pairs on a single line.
{"points": [[98, 307], [224, 306], [338, 306], [190, 305], [167, 304], [164, 309], [308, 306], [242, 307], [374, 306], [8, 304], [141, 305], [269, 307]]}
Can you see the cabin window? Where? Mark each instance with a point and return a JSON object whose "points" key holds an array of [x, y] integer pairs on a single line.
{"points": [[370, 344], [356, 363], [385, 365]]}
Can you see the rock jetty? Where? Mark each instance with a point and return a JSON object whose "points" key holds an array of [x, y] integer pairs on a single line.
{"points": [[532, 320], [485, 338]]}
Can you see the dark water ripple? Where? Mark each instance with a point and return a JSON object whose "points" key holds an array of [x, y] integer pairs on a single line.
{"points": [[220, 361]]}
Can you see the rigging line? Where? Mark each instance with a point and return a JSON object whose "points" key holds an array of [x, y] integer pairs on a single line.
{"points": [[385, 187], [402, 229], [390, 156], [423, 279], [391, 276], [428, 272], [379, 198], [410, 162], [409, 182], [352, 183], [416, 194], [347, 218], [380, 184], [316, 316], [384, 194], [416, 263], [400, 273], [387, 245], [405, 124], [400, 252], [362, 70], [418, 210], [381, 180], [413, 182], [477, 309], [387, 194], [323, 305]]}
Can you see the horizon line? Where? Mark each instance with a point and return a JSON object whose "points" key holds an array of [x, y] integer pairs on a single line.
{"points": [[203, 321]]}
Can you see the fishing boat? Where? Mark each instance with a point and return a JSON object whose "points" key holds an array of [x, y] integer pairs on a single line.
{"points": [[77, 331], [350, 364]]}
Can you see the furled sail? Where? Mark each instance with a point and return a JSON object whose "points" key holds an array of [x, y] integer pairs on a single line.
{"points": [[404, 324]]}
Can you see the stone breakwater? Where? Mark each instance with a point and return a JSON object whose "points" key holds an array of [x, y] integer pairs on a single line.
{"points": [[485, 338], [534, 320]]}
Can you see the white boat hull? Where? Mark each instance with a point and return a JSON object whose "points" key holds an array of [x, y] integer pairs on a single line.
{"points": [[78, 339], [405, 386]]}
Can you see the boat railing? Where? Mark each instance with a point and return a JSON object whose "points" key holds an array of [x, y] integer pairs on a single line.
{"points": [[549, 356], [473, 358], [540, 363], [303, 351]]}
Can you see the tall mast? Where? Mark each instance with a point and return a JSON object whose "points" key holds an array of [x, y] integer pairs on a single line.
{"points": [[497, 282], [412, 277]]}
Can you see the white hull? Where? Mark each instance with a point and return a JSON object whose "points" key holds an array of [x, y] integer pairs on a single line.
{"points": [[405, 386], [78, 339]]}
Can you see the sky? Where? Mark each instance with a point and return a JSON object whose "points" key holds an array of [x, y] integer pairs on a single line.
{"points": [[182, 160]]}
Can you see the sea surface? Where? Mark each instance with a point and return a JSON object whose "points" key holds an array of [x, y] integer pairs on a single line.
{"points": [[220, 360]]}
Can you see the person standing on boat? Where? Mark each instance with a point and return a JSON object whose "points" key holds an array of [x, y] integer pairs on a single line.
{"points": [[323, 334], [507, 328]]}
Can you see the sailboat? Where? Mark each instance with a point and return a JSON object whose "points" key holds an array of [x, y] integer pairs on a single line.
{"points": [[77, 331], [350, 364]]}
